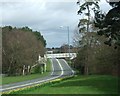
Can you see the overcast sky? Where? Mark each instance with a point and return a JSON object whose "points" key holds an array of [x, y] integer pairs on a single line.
{"points": [[44, 16]]}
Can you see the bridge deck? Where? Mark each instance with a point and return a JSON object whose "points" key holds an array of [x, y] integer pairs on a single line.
{"points": [[61, 55]]}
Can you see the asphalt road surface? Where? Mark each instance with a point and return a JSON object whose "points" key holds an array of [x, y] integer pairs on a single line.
{"points": [[60, 69]]}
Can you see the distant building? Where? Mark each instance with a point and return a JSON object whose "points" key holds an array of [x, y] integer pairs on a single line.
{"points": [[49, 52]]}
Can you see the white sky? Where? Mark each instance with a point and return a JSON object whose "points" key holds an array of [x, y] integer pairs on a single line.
{"points": [[44, 16]]}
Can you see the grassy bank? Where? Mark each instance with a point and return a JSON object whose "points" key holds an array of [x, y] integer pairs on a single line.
{"points": [[14, 79], [78, 85]]}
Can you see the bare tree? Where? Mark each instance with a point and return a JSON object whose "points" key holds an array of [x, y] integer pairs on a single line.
{"points": [[20, 50]]}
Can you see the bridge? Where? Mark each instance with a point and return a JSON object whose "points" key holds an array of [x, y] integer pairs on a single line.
{"points": [[61, 55]]}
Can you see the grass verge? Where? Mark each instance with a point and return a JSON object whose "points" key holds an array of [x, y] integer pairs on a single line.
{"points": [[77, 85], [15, 79]]}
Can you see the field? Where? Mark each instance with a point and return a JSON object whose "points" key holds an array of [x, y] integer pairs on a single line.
{"points": [[14, 79], [78, 85]]}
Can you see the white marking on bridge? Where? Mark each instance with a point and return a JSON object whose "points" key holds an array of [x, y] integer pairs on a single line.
{"points": [[61, 55]]}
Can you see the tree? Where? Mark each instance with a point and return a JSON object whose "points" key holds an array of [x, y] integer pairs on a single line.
{"points": [[64, 48], [94, 57], [102, 59], [86, 6], [0, 50], [20, 50], [40, 37], [109, 24]]}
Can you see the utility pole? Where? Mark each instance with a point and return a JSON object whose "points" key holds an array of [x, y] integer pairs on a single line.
{"points": [[68, 29], [68, 42]]}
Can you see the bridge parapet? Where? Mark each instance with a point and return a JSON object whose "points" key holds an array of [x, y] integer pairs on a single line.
{"points": [[61, 55]]}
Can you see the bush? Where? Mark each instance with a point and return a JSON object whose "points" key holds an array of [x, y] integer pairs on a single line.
{"points": [[36, 69]]}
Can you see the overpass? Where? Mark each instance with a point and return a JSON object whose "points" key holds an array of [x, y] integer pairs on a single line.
{"points": [[61, 55]]}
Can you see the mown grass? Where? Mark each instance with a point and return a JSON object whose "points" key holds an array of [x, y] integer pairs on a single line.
{"points": [[0, 79], [14, 79], [78, 85]]}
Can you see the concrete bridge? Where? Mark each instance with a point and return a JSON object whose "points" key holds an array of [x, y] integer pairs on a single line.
{"points": [[61, 55], [42, 60]]}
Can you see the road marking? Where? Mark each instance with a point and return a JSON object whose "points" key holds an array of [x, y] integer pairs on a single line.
{"points": [[29, 84], [37, 81], [68, 66], [60, 67], [52, 67]]}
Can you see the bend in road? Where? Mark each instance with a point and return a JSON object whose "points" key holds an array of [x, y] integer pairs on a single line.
{"points": [[60, 69]]}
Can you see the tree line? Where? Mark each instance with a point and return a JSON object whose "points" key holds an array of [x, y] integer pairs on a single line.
{"points": [[20, 49], [98, 39]]}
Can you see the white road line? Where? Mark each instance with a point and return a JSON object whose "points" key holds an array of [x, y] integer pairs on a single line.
{"points": [[60, 67], [37, 81], [52, 67], [29, 84], [68, 66]]}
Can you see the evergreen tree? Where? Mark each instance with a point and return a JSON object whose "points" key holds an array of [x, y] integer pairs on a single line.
{"points": [[87, 7], [109, 24]]}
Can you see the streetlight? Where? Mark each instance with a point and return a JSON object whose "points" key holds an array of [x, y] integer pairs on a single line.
{"points": [[68, 40]]}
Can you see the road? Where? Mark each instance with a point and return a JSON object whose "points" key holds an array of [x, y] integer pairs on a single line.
{"points": [[60, 69]]}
